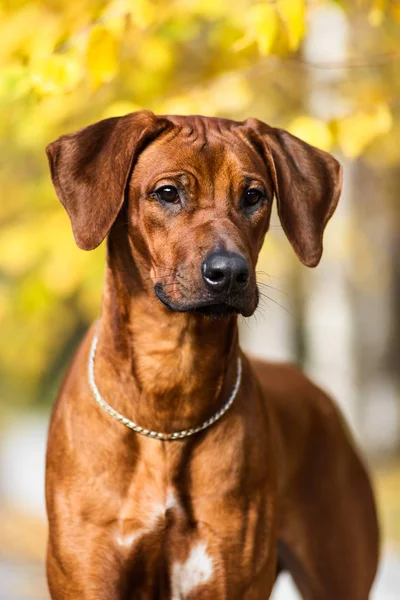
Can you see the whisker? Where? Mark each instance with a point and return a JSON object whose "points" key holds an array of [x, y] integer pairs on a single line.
{"points": [[275, 302], [260, 311], [267, 275], [271, 287], [245, 321]]}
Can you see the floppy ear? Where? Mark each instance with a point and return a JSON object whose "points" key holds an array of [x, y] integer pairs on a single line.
{"points": [[90, 169], [307, 184]]}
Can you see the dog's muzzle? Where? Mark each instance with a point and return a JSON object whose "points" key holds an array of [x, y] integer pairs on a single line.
{"points": [[225, 288]]}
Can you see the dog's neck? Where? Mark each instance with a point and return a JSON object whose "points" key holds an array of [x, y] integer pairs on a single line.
{"points": [[167, 371]]}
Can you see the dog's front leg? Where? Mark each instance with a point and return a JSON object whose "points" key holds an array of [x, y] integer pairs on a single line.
{"points": [[87, 572]]}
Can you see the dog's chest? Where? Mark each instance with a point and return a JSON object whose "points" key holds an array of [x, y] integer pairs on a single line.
{"points": [[169, 557]]}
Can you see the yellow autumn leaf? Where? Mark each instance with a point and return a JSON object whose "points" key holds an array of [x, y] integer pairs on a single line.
{"points": [[102, 55], [261, 26], [142, 12], [55, 74], [115, 16], [356, 131], [292, 13], [30, 31], [313, 131]]}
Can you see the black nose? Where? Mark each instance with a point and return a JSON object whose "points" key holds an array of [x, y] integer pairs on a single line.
{"points": [[225, 271]]}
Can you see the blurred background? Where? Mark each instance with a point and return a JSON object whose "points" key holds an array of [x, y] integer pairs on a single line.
{"points": [[327, 71]]}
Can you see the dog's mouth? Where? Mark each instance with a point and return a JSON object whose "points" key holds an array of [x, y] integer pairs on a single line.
{"points": [[217, 311], [208, 308]]}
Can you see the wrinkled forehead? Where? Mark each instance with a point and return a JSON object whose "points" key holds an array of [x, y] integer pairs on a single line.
{"points": [[207, 148]]}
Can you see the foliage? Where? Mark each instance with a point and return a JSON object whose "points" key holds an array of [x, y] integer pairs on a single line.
{"points": [[66, 64]]}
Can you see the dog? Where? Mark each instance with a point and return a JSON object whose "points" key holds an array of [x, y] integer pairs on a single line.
{"points": [[178, 468]]}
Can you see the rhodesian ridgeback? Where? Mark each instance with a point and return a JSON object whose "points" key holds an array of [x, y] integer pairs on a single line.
{"points": [[178, 468]]}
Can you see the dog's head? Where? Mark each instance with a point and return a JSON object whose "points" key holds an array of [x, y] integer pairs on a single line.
{"points": [[198, 195]]}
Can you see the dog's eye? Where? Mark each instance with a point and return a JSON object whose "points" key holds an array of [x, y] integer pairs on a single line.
{"points": [[168, 193], [252, 197]]}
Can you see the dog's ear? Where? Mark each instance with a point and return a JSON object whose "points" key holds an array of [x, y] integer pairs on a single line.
{"points": [[90, 169], [307, 184]]}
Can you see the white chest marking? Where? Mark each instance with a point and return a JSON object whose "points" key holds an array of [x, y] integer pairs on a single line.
{"points": [[150, 521], [171, 501], [127, 540], [196, 570]]}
